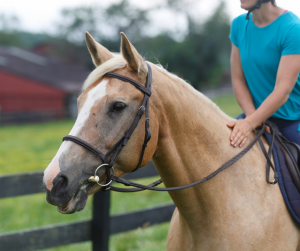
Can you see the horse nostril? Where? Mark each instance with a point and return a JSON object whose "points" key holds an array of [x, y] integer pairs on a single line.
{"points": [[60, 184]]}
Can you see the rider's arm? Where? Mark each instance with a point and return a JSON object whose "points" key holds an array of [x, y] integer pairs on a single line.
{"points": [[287, 75], [240, 87]]}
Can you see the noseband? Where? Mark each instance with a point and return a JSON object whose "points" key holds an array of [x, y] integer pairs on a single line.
{"points": [[117, 148]]}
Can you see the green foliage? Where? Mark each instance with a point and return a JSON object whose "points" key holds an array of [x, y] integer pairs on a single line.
{"points": [[75, 21], [125, 17], [117, 17], [199, 58], [12, 35], [10, 39]]}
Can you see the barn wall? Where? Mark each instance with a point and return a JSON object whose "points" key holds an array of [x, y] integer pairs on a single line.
{"points": [[20, 96]]}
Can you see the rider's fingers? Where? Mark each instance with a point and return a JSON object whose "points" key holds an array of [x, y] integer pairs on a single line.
{"points": [[239, 140], [232, 125], [243, 142], [236, 138], [234, 133]]}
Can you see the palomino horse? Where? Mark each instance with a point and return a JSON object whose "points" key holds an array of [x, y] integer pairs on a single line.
{"points": [[236, 210]]}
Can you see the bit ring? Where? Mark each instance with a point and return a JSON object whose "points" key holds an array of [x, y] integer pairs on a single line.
{"points": [[95, 175]]}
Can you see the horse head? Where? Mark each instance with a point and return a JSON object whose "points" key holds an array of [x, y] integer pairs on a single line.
{"points": [[106, 110]]}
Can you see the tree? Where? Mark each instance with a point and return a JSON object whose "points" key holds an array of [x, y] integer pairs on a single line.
{"points": [[102, 23], [204, 53], [9, 30]]}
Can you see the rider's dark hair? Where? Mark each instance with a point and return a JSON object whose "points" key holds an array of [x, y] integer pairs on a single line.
{"points": [[273, 2]]}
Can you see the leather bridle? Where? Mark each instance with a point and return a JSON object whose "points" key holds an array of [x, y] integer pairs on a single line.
{"points": [[110, 157]]}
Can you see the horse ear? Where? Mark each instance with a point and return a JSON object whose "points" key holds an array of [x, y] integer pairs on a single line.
{"points": [[98, 52], [133, 58]]}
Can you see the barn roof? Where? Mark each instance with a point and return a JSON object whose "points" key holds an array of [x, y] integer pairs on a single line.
{"points": [[51, 71]]}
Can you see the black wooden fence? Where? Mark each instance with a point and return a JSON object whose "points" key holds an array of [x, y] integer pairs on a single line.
{"points": [[96, 230]]}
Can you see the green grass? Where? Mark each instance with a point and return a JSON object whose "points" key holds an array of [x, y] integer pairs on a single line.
{"points": [[145, 239], [25, 148], [30, 147], [229, 105]]}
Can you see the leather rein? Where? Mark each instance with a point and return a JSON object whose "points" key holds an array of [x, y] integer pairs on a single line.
{"points": [[110, 157]]}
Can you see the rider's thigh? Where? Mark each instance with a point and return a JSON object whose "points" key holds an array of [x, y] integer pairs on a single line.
{"points": [[292, 132]]}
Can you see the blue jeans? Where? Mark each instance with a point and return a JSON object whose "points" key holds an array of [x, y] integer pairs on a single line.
{"points": [[289, 128]]}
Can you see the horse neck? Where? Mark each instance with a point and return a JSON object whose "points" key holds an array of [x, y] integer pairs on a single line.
{"points": [[193, 142]]}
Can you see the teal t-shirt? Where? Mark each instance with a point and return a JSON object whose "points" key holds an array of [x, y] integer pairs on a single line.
{"points": [[261, 50]]}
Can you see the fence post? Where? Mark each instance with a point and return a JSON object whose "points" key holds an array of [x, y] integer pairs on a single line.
{"points": [[101, 221]]}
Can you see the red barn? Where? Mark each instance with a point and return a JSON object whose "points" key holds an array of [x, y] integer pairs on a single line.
{"points": [[37, 88]]}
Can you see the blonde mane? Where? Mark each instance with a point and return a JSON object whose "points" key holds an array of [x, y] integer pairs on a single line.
{"points": [[118, 62], [200, 95]]}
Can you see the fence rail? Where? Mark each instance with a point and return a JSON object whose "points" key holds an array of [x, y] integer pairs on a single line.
{"points": [[96, 230], [31, 183]]}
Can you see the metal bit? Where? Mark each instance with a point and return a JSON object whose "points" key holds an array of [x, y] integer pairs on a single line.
{"points": [[94, 179]]}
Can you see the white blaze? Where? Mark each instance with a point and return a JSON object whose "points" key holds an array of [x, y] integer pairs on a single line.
{"points": [[95, 94]]}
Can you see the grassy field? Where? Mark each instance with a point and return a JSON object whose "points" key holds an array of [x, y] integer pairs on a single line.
{"points": [[26, 148]]}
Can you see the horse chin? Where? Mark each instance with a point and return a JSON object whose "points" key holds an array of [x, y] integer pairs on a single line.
{"points": [[78, 201]]}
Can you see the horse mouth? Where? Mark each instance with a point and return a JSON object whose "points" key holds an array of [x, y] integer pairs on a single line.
{"points": [[77, 202], [64, 210]]}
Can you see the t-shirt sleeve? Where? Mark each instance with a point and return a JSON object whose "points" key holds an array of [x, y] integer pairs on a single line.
{"points": [[234, 32], [291, 42]]}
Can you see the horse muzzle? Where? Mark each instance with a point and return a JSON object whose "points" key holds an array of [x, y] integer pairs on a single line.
{"points": [[69, 197]]}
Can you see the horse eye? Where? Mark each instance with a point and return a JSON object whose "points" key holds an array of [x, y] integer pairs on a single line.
{"points": [[118, 107]]}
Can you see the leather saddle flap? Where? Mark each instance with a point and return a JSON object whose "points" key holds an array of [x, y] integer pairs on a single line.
{"points": [[291, 153]]}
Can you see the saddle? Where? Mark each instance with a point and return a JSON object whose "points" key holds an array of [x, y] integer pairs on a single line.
{"points": [[290, 151]]}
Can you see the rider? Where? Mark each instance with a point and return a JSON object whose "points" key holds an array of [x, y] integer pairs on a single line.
{"points": [[265, 66]]}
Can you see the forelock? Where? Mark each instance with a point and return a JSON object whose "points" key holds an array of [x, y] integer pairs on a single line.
{"points": [[117, 62]]}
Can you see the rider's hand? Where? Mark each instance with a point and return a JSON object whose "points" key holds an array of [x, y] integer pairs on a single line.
{"points": [[241, 131]]}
